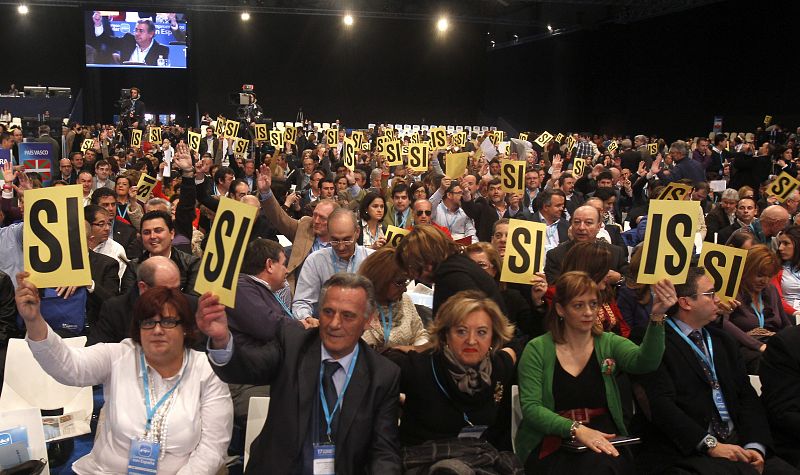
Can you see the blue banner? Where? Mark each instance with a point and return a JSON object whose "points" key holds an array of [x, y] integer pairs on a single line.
{"points": [[38, 157], [5, 156]]}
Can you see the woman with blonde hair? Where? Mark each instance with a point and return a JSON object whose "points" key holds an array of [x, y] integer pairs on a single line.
{"points": [[567, 381], [399, 323], [456, 388]]}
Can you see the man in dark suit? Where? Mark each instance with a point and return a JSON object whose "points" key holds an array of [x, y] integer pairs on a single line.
{"points": [[585, 225], [44, 137], [310, 372], [551, 210], [706, 418], [486, 211], [780, 380], [122, 233]]}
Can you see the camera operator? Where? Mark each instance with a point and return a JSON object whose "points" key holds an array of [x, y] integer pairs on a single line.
{"points": [[133, 110]]}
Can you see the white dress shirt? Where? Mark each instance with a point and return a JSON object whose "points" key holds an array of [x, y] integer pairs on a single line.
{"points": [[199, 422]]}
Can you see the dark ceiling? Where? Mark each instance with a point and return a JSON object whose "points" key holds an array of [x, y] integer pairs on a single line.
{"points": [[508, 22]]}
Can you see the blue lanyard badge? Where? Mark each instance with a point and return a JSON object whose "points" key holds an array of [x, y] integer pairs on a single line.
{"points": [[122, 214], [151, 411], [285, 308], [759, 314], [386, 323], [330, 413]]}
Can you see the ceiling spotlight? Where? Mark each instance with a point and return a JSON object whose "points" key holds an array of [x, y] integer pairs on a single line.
{"points": [[550, 28], [348, 20], [492, 43], [22, 9], [245, 16], [442, 24], [516, 37]]}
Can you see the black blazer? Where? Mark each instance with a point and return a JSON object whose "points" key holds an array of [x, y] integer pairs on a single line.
{"points": [[105, 274], [555, 260], [485, 215], [780, 391], [204, 146], [366, 439], [126, 236], [680, 400]]}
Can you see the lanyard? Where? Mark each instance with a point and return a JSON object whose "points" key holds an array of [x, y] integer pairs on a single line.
{"points": [[455, 218], [280, 301], [759, 314], [386, 323], [402, 224], [124, 212], [708, 360], [351, 263], [328, 413], [151, 411], [444, 391]]}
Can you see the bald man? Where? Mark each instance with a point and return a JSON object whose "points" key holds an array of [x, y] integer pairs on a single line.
{"points": [[114, 321], [774, 219]]}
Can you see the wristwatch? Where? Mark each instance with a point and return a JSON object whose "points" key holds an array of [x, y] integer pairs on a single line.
{"points": [[658, 318], [709, 442]]}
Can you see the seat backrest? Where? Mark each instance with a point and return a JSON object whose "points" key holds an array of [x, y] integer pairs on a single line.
{"points": [[31, 420], [257, 410], [26, 385], [516, 415]]}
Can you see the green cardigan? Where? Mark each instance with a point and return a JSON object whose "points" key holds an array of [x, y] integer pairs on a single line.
{"points": [[536, 382]]}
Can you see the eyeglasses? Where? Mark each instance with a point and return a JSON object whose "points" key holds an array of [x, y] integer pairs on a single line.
{"points": [[710, 293], [168, 322], [426, 212], [401, 283], [348, 242], [102, 224]]}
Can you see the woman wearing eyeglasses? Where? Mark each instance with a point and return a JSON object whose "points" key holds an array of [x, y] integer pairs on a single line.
{"points": [[162, 398], [398, 322]]}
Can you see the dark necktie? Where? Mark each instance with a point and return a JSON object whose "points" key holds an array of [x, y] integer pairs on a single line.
{"points": [[329, 390], [717, 425], [399, 220]]}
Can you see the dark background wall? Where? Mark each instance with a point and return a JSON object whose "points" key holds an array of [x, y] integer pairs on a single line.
{"points": [[669, 75]]}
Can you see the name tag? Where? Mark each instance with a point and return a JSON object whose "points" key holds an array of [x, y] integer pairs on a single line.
{"points": [[143, 457], [472, 432], [324, 457]]}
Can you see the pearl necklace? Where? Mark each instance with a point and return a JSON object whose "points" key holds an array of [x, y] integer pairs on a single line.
{"points": [[159, 426]]}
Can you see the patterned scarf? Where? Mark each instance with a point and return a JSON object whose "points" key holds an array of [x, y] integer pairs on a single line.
{"points": [[468, 379]]}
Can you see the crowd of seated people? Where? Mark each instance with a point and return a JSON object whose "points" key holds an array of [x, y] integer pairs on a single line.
{"points": [[413, 355]]}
